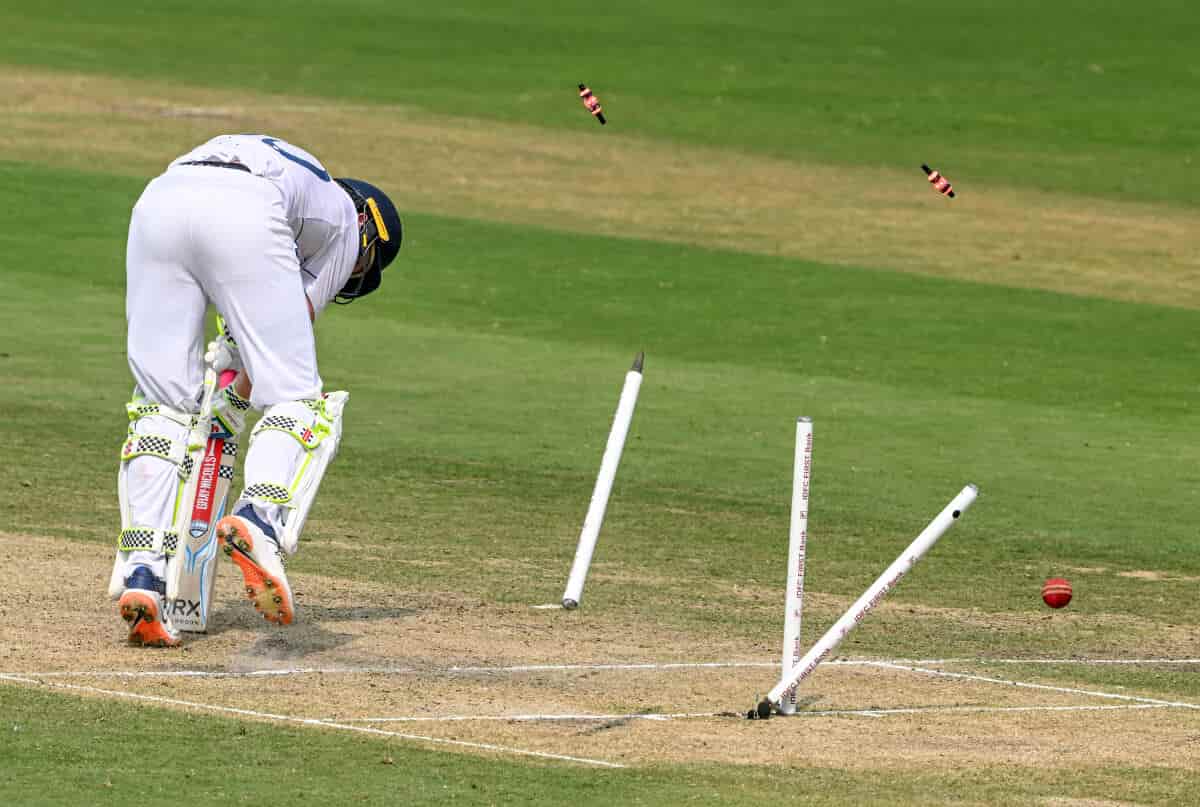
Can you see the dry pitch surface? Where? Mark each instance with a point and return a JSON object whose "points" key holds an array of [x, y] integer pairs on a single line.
{"points": [[586, 688]]}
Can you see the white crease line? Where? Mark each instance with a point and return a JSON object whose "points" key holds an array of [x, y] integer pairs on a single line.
{"points": [[577, 667], [536, 718], [313, 722], [985, 661], [522, 668], [1046, 687], [666, 665], [1074, 661], [283, 671], [917, 710], [911, 710]]}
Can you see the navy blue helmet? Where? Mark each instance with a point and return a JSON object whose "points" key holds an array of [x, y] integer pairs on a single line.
{"points": [[380, 233]]}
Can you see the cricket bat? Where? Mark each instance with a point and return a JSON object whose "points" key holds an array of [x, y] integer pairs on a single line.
{"points": [[191, 605]]}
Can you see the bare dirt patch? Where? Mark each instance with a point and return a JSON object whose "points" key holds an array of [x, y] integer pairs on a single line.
{"points": [[610, 183], [435, 654], [1145, 574]]}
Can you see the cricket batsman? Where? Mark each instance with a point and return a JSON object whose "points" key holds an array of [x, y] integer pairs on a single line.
{"points": [[258, 228]]}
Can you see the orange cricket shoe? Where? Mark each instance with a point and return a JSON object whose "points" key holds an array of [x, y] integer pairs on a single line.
{"points": [[141, 608], [257, 554]]}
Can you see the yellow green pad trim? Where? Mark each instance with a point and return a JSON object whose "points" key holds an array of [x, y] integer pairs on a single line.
{"points": [[144, 539]]}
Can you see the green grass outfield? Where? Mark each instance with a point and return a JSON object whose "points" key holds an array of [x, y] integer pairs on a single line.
{"points": [[495, 352], [246, 763], [1073, 95]]}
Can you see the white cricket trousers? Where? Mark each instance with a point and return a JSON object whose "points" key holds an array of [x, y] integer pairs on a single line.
{"points": [[200, 235], [207, 234]]}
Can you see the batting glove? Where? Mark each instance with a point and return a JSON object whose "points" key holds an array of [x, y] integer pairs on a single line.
{"points": [[223, 354]]}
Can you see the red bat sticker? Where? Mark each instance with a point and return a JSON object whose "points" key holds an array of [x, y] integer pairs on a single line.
{"points": [[592, 103], [940, 183], [210, 467]]}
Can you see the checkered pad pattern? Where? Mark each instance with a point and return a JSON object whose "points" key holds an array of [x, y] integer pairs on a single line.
{"points": [[153, 444], [235, 400], [268, 491], [142, 539], [281, 422], [225, 472], [140, 408], [308, 436], [136, 410]]}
